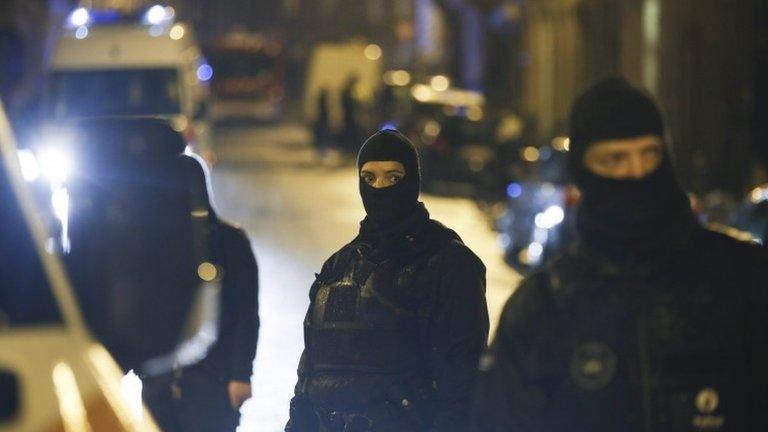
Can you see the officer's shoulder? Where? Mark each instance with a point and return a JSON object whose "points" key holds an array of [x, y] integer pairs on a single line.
{"points": [[232, 231], [340, 256], [534, 297], [451, 247], [725, 248], [527, 305]]}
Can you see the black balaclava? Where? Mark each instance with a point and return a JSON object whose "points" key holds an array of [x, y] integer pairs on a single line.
{"points": [[632, 218], [390, 205]]}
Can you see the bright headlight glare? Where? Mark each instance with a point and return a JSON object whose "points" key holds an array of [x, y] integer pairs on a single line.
{"points": [[535, 250], [30, 169], [157, 15], [550, 217], [60, 203], [55, 164]]}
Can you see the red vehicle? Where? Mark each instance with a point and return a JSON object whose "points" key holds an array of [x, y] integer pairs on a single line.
{"points": [[248, 77]]}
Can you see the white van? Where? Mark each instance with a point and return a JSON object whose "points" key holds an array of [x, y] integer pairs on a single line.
{"points": [[331, 66], [131, 67]]}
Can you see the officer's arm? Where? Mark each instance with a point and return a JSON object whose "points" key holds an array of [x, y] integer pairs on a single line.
{"points": [[458, 337], [301, 413], [244, 271], [505, 397]]}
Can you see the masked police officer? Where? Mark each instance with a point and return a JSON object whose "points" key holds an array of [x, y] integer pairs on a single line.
{"points": [[398, 317], [650, 323]]}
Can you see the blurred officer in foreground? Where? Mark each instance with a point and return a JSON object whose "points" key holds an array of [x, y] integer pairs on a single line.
{"points": [[650, 323], [397, 318], [207, 396]]}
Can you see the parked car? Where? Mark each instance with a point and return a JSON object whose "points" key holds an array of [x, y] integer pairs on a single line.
{"points": [[538, 221]]}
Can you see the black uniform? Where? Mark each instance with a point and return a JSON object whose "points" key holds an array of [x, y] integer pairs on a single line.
{"points": [[649, 323], [196, 398], [588, 345], [395, 327]]}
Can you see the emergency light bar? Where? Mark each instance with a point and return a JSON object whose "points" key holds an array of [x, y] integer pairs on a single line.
{"points": [[155, 15]]}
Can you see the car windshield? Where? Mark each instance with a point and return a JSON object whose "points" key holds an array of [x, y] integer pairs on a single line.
{"points": [[87, 93], [26, 297]]}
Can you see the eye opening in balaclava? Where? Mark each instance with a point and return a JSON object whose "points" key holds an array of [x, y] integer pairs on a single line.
{"points": [[624, 217], [392, 203]]}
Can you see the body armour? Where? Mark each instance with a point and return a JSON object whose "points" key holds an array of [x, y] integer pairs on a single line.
{"points": [[365, 341]]}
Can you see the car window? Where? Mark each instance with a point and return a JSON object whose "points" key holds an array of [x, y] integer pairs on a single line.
{"points": [[86, 93]]}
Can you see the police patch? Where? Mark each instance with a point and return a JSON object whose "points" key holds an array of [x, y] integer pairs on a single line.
{"points": [[707, 401], [593, 365]]}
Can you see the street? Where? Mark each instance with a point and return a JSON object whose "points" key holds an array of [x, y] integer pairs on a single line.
{"points": [[297, 213]]}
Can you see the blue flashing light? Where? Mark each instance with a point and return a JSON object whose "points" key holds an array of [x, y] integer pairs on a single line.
{"points": [[204, 72], [514, 190], [388, 126], [108, 16]]}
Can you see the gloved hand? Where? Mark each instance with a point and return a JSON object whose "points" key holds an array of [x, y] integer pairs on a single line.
{"points": [[302, 416]]}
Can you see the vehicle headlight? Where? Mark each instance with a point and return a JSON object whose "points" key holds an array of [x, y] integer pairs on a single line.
{"points": [[158, 14], [79, 17], [55, 164], [30, 168]]}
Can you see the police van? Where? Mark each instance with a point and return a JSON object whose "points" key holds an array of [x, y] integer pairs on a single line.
{"points": [[112, 63]]}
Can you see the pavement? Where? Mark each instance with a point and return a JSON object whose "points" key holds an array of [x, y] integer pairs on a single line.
{"points": [[297, 211]]}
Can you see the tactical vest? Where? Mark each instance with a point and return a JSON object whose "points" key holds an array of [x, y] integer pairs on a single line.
{"points": [[368, 316]]}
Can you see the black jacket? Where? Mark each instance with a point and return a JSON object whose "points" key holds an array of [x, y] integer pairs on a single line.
{"points": [[588, 345], [231, 357], [416, 321]]}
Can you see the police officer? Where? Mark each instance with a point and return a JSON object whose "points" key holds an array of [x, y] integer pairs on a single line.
{"points": [[650, 322], [398, 317], [206, 397]]}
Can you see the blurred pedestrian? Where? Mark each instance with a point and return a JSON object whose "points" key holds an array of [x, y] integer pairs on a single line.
{"points": [[651, 322], [321, 128], [398, 316], [207, 396], [350, 134]]}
